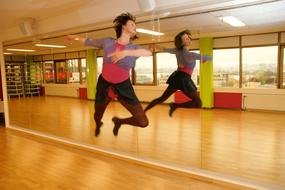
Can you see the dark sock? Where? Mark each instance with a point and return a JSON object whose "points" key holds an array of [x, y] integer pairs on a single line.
{"points": [[172, 109], [97, 130], [117, 125]]}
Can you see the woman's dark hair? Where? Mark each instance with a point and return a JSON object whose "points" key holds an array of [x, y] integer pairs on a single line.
{"points": [[121, 20], [178, 38]]}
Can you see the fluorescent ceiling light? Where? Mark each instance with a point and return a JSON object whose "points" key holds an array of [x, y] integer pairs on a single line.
{"points": [[141, 30], [232, 21], [6, 53], [48, 45], [22, 50]]}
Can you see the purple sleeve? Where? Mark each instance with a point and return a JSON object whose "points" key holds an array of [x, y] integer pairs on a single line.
{"points": [[99, 43], [195, 56], [134, 47], [206, 58], [170, 50]]}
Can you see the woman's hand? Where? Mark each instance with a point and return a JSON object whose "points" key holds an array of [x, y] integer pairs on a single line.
{"points": [[71, 37], [117, 55], [75, 37]]}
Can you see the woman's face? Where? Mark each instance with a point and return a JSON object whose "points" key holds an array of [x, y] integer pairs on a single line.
{"points": [[130, 28], [186, 40]]}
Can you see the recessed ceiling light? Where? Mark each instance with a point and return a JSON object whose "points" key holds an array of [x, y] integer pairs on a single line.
{"points": [[151, 32], [49, 45], [232, 21], [21, 50]]}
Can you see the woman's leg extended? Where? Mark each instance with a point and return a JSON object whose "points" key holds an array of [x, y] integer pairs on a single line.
{"points": [[137, 119], [169, 90], [195, 102]]}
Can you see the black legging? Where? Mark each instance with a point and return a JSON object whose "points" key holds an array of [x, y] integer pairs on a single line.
{"points": [[194, 103], [137, 119]]}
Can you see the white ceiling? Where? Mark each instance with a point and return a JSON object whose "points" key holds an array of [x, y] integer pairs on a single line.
{"points": [[77, 16]]}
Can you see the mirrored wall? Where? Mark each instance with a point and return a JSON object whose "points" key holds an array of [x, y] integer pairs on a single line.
{"points": [[48, 93]]}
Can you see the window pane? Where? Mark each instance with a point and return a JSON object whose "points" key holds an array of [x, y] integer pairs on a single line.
{"points": [[73, 71], [260, 67], [283, 66], [226, 67], [144, 70], [84, 69], [166, 64], [99, 65], [61, 76], [49, 71], [196, 73]]}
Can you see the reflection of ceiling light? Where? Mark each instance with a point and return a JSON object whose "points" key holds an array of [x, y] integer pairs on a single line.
{"points": [[6, 53], [48, 45], [22, 50], [141, 30], [232, 21], [165, 14]]}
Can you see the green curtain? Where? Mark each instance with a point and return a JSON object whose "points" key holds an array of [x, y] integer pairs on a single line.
{"points": [[206, 74], [91, 73]]}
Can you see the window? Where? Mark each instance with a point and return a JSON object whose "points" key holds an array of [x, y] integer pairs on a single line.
{"points": [[196, 73], [49, 71], [99, 65], [61, 76], [166, 64], [73, 71], [259, 67], [226, 67], [144, 70], [83, 69]]}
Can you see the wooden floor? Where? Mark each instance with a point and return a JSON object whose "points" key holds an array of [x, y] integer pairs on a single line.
{"points": [[246, 144], [33, 163]]}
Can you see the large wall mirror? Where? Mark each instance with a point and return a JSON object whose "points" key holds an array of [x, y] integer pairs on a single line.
{"points": [[47, 93]]}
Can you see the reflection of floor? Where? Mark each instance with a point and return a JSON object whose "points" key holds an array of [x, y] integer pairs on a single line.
{"points": [[34, 163], [246, 144]]}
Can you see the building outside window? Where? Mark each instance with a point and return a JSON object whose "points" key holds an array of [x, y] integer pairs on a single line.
{"points": [[49, 71], [167, 64], [196, 73], [226, 67], [144, 70], [61, 72], [83, 70], [73, 71], [259, 65], [99, 65]]}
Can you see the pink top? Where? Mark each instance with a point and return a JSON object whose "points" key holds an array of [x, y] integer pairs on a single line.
{"points": [[119, 71], [113, 73]]}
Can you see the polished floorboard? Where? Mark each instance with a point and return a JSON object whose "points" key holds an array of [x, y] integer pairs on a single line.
{"points": [[33, 163], [247, 144]]}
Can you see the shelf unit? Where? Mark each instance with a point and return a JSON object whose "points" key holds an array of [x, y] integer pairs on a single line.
{"points": [[23, 78], [14, 78], [31, 79]]}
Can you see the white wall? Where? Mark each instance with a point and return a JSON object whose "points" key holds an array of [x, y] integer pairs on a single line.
{"points": [[264, 99], [67, 90]]}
